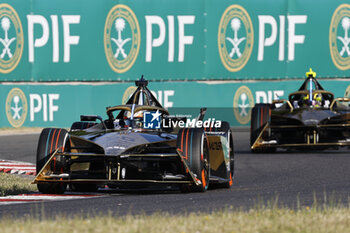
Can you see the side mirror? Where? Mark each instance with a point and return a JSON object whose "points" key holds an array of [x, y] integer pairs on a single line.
{"points": [[92, 118], [202, 112]]}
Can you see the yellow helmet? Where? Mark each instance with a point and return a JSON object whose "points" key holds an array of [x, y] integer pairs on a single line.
{"points": [[318, 97]]}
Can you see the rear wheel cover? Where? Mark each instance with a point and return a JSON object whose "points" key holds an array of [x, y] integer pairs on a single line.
{"points": [[192, 143]]}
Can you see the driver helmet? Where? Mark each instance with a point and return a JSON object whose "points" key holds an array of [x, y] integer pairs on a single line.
{"points": [[306, 100], [318, 99], [137, 116]]}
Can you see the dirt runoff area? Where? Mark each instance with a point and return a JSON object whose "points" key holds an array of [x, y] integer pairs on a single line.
{"points": [[20, 131]]}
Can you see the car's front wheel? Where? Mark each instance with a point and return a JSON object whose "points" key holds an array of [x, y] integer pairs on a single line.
{"points": [[49, 141], [261, 115]]}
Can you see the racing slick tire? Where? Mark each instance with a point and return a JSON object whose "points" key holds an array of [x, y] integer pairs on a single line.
{"points": [[50, 139], [192, 143], [261, 115]]}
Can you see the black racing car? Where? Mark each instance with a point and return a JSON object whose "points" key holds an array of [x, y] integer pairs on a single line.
{"points": [[121, 152], [310, 118]]}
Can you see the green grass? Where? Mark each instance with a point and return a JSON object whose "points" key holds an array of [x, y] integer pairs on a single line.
{"points": [[282, 220], [14, 184], [269, 217]]}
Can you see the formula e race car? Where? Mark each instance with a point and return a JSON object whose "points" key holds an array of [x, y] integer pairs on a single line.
{"points": [[133, 148], [311, 118]]}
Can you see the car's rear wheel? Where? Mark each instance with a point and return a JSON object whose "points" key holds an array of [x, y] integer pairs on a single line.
{"points": [[192, 143], [50, 139], [225, 127], [261, 115]]}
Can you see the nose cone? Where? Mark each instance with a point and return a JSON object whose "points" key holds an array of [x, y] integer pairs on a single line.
{"points": [[311, 122], [312, 116], [117, 142]]}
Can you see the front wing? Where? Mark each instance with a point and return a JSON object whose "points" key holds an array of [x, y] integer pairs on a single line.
{"points": [[311, 136], [114, 173]]}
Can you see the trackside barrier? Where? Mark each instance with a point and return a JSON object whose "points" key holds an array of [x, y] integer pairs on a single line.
{"points": [[59, 60]]}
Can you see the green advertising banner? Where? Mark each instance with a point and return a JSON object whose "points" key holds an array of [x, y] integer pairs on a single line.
{"points": [[85, 40], [61, 58], [52, 105]]}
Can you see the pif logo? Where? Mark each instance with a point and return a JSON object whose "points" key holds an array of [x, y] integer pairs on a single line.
{"points": [[11, 39], [347, 92], [339, 41], [16, 107], [235, 38], [243, 101], [121, 38], [128, 93]]}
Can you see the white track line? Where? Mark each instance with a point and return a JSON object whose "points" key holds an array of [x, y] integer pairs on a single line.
{"points": [[27, 198], [16, 167]]}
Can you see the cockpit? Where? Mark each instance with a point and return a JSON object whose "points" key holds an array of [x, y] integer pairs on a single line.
{"points": [[317, 99], [131, 115], [311, 94]]}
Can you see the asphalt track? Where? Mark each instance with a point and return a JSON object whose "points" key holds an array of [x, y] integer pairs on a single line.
{"points": [[290, 178]]}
